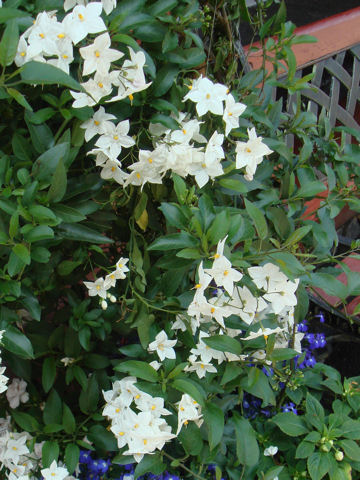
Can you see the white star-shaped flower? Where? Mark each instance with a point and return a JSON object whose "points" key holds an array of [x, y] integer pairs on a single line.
{"points": [[251, 153], [163, 346]]}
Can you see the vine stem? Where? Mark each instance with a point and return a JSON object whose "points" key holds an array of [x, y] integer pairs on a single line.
{"points": [[195, 475]]}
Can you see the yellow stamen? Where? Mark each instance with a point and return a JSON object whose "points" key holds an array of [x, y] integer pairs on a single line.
{"points": [[112, 276], [61, 35], [247, 149], [65, 56], [184, 131], [212, 310], [230, 114], [22, 54], [116, 137], [198, 285], [96, 122], [121, 434], [97, 287], [136, 425], [153, 407], [97, 53], [189, 87], [226, 273], [131, 97], [145, 441], [41, 35], [182, 409], [150, 160], [202, 365], [203, 165], [81, 17], [137, 396], [216, 255], [113, 170], [120, 265], [227, 90], [186, 422], [117, 410], [138, 175], [14, 448], [208, 96], [100, 85]]}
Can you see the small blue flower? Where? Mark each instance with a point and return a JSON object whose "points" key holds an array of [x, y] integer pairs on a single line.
{"points": [[289, 407], [85, 456]]}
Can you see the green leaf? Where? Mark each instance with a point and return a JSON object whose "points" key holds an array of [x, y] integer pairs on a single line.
{"points": [[80, 233], [58, 183], [48, 373], [258, 218], [165, 120], [16, 342], [219, 228], [174, 241], [191, 439], [180, 188], [351, 449], [279, 354], [42, 232], [53, 408], [84, 337], [233, 184], [68, 214], [43, 215], [296, 236], [162, 6], [247, 448], [72, 453], [187, 58], [19, 97], [150, 463], [15, 265], [318, 465], [67, 266], [223, 343], [310, 189], [314, 412], [304, 449], [50, 452], [174, 215], [40, 254], [90, 396], [191, 388], [260, 387], [25, 421], [22, 252], [46, 74], [290, 424], [329, 284], [46, 164], [102, 438], [68, 420], [138, 369], [214, 419], [42, 115], [9, 43]]}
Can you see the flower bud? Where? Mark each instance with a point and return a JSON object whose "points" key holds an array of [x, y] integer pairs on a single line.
{"points": [[325, 448], [323, 440], [112, 299], [339, 455], [104, 305]]}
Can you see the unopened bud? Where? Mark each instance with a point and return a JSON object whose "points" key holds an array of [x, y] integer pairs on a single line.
{"points": [[339, 455], [112, 299], [325, 448], [323, 440], [104, 305]]}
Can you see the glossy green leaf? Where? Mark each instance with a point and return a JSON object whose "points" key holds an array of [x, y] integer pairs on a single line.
{"points": [[247, 448], [16, 342], [36, 73], [50, 452], [214, 419], [138, 369]]}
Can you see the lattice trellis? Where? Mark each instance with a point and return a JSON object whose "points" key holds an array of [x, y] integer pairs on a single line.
{"points": [[334, 87]]}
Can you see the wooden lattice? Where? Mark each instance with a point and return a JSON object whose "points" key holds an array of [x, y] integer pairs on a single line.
{"points": [[335, 87]]}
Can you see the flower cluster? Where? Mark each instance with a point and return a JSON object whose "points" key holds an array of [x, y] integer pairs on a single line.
{"points": [[275, 295], [101, 285], [136, 418], [314, 342], [17, 393]]}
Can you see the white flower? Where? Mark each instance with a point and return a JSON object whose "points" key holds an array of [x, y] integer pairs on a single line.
{"points": [[163, 346], [98, 287], [155, 365], [67, 361], [84, 20], [223, 274], [17, 393], [208, 96], [121, 267], [97, 124], [54, 472], [251, 153], [21, 54], [265, 332], [199, 367], [108, 5], [232, 112], [188, 409], [282, 296], [99, 56], [270, 451], [115, 138], [111, 169], [267, 276]]}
